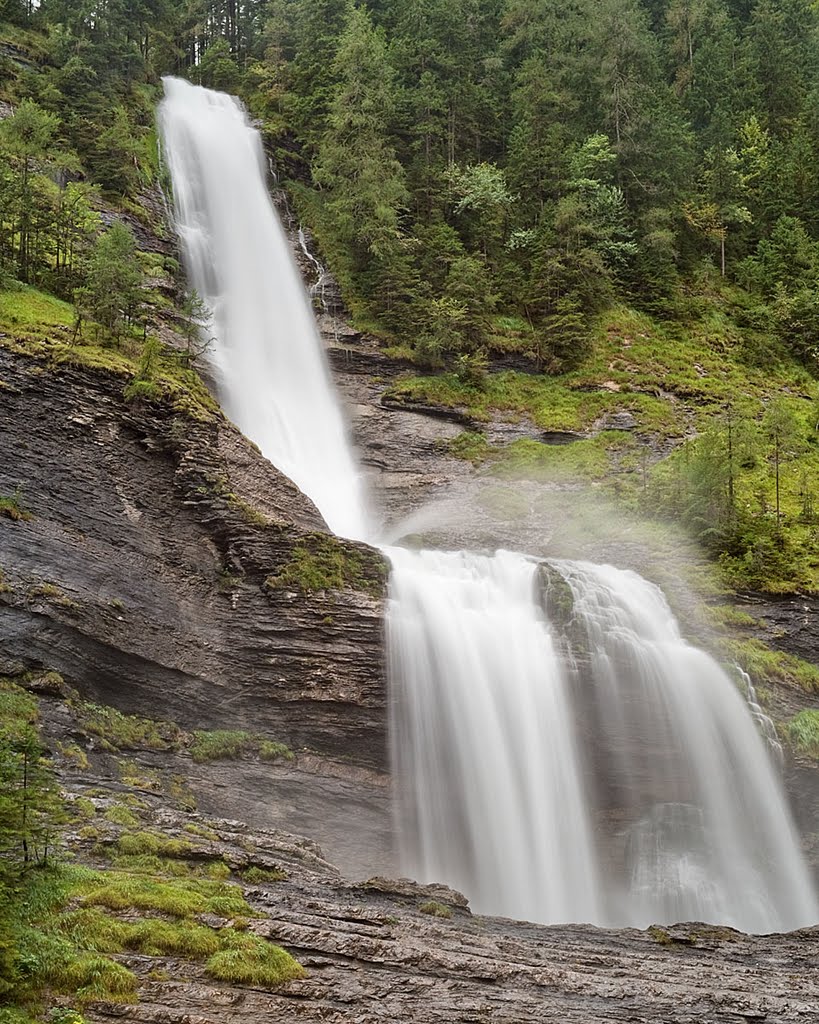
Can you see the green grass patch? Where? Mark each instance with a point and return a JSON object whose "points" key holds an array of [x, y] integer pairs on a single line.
{"points": [[12, 507], [182, 897], [767, 666], [126, 732], [250, 960], [219, 744], [255, 875], [228, 744], [728, 615], [321, 562], [271, 751], [802, 732], [39, 325], [470, 446]]}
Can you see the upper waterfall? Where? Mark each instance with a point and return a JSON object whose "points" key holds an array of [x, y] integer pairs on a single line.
{"points": [[271, 372]]}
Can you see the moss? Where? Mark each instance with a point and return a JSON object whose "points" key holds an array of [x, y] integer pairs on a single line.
{"points": [[556, 595], [802, 732], [219, 744], [435, 909], [321, 562], [253, 961]]}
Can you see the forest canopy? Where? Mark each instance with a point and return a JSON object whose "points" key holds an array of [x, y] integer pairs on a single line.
{"points": [[462, 160]]}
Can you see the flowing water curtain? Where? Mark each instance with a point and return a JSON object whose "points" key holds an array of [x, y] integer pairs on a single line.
{"points": [[268, 358]]}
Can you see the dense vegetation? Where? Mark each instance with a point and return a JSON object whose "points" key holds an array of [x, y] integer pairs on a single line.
{"points": [[619, 196]]}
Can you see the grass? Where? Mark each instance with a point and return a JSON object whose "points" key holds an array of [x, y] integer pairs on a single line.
{"points": [[36, 324], [219, 744], [802, 732], [71, 924], [767, 666], [435, 909], [255, 875], [119, 815], [229, 744], [321, 562], [12, 507], [250, 960], [126, 732]]}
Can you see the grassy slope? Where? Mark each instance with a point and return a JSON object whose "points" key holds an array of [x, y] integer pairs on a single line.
{"points": [[673, 378]]}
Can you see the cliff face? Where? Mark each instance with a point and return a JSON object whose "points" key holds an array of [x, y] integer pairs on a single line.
{"points": [[167, 568]]}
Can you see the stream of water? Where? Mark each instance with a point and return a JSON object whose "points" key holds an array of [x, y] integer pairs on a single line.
{"points": [[578, 764]]}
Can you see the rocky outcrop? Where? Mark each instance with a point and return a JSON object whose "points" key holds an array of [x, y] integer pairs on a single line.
{"points": [[157, 572]]}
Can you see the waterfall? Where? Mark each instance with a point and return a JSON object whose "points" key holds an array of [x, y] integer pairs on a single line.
{"points": [[560, 752], [268, 359], [484, 739]]}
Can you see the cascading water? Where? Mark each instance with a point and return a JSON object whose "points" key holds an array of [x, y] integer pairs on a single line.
{"points": [[269, 362], [564, 758]]}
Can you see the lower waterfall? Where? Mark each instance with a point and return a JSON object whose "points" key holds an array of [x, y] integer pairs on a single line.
{"points": [[560, 752]]}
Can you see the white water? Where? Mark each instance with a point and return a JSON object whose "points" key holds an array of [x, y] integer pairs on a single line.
{"points": [[511, 742], [268, 358], [483, 738]]}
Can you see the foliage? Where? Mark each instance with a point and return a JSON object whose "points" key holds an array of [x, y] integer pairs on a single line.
{"points": [[219, 744], [321, 562], [226, 743], [12, 507], [251, 961], [803, 733]]}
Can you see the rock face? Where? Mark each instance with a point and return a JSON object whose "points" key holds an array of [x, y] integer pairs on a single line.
{"points": [[159, 571], [384, 951]]}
